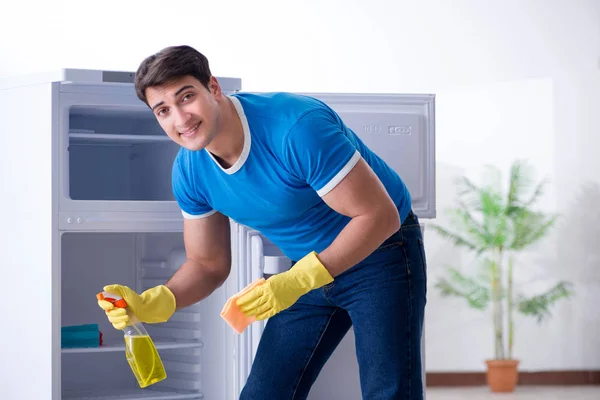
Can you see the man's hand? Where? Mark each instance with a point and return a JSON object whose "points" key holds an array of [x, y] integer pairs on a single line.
{"points": [[283, 290], [153, 306]]}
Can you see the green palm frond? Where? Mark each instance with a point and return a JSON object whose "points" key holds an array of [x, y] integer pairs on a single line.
{"points": [[468, 191], [459, 285], [537, 193], [495, 221], [455, 238], [519, 185], [480, 215], [472, 229], [529, 227], [539, 306]]}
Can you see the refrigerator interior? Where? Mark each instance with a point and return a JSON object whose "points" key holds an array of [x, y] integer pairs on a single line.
{"points": [[192, 344], [118, 153]]}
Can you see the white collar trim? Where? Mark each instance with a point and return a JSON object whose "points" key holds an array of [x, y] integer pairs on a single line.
{"points": [[247, 140]]}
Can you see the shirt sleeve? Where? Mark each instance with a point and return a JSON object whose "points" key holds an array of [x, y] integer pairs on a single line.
{"points": [[192, 207], [318, 151]]}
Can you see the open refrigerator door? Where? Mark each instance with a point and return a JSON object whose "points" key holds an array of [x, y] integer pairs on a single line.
{"points": [[255, 257]]}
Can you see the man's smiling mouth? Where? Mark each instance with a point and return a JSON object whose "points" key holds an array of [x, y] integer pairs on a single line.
{"points": [[190, 132]]}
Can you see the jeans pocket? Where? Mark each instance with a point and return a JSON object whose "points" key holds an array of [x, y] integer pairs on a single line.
{"points": [[388, 246], [392, 258]]}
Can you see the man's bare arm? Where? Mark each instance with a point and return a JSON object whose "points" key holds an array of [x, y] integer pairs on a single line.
{"points": [[361, 196], [208, 259]]}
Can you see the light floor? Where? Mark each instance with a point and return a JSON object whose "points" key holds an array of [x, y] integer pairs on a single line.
{"points": [[521, 393]]}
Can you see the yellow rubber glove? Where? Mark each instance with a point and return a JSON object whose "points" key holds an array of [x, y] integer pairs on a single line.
{"points": [[152, 306], [283, 290]]}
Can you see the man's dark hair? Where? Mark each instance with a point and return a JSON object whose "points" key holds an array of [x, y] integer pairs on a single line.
{"points": [[169, 64]]}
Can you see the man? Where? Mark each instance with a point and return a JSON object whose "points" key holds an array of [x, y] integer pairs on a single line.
{"points": [[287, 166]]}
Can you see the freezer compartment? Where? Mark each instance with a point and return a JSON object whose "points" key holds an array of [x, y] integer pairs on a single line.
{"points": [[90, 260], [118, 153]]}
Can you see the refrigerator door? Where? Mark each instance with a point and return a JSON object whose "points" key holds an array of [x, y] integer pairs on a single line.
{"points": [[254, 257], [27, 245], [247, 253], [400, 128]]}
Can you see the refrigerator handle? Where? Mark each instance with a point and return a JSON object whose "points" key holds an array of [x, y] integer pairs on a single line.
{"points": [[257, 264], [257, 268]]}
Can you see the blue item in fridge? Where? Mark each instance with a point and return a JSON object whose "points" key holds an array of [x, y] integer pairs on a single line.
{"points": [[86, 335]]}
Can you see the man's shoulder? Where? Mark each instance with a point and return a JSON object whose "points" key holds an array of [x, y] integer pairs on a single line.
{"points": [[271, 96], [288, 105], [186, 161]]}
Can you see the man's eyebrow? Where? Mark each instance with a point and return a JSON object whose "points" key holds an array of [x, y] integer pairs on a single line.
{"points": [[158, 105], [181, 89]]}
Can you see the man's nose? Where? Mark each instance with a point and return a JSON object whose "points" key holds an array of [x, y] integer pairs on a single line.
{"points": [[182, 118]]}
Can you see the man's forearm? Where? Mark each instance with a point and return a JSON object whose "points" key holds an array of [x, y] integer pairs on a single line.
{"points": [[194, 282], [357, 240]]}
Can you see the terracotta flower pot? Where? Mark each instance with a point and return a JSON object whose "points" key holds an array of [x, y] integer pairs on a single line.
{"points": [[502, 375]]}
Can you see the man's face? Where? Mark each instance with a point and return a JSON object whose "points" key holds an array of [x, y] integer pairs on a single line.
{"points": [[187, 111]]}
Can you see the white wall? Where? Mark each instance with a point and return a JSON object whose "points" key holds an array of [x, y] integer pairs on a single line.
{"points": [[516, 78]]}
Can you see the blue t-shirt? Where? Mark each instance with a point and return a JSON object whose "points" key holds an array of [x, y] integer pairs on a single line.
{"points": [[296, 150]]}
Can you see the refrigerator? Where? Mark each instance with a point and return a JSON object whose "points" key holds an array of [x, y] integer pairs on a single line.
{"points": [[87, 201]]}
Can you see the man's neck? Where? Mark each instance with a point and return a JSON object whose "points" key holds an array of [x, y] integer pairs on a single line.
{"points": [[228, 144]]}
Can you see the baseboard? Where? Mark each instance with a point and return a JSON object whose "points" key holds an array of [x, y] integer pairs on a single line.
{"points": [[562, 378]]}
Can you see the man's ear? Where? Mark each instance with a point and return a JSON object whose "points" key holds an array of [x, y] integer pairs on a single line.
{"points": [[213, 86]]}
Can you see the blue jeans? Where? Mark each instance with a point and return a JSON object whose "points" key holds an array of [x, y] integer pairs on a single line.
{"points": [[383, 298]]}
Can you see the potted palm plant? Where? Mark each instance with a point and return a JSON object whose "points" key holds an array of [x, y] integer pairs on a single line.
{"points": [[496, 224]]}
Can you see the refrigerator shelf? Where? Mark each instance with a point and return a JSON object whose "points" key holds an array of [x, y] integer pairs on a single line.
{"points": [[130, 394], [160, 345], [84, 137]]}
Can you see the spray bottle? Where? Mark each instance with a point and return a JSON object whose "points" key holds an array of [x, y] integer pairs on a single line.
{"points": [[142, 356]]}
